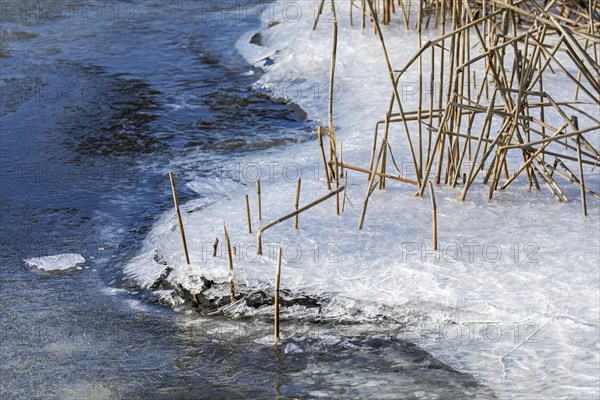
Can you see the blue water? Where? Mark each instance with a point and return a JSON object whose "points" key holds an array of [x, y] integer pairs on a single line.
{"points": [[98, 102]]}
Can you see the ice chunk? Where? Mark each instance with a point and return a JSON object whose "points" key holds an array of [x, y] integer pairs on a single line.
{"points": [[59, 262]]}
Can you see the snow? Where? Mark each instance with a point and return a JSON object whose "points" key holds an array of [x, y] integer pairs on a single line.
{"points": [[59, 262], [512, 296]]}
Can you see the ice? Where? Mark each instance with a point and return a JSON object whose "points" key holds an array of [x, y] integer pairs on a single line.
{"points": [[137, 305], [512, 295], [292, 348], [59, 262], [113, 291]]}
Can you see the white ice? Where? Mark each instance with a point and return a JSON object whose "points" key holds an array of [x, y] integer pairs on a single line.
{"points": [[59, 262]]}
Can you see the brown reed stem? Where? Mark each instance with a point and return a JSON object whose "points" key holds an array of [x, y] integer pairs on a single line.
{"points": [[337, 186], [248, 213], [344, 193], [317, 14], [276, 297], [174, 190], [341, 163], [215, 247], [331, 128], [581, 177], [320, 139], [259, 199], [433, 216], [297, 203], [230, 263]]}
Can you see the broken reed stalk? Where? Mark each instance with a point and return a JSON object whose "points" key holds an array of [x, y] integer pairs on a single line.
{"points": [[292, 214], [320, 138], [296, 204], [258, 197], [215, 246], [317, 14], [174, 189], [433, 216], [248, 214], [276, 297], [230, 262]]}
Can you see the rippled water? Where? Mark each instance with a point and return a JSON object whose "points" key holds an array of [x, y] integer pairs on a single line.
{"points": [[96, 107]]}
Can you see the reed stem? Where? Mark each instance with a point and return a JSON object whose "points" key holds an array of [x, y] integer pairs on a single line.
{"points": [[296, 204], [248, 214], [230, 263], [433, 217], [276, 297], [174, 190], [259, 199]]}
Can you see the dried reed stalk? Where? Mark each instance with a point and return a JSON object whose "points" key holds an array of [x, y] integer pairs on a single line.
{"points": [[230, 263], [183, 241], [331, 128], [320, 139], [580, 164], [215, 247], [433, 216], [296, 203], [259, 200], [248, 219], [276, 297], [318, 14]]}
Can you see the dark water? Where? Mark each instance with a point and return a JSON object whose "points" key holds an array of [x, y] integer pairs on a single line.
{"points": [[99, 100]]}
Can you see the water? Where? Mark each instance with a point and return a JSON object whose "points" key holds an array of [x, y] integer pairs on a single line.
{"points": [[99, 100]]}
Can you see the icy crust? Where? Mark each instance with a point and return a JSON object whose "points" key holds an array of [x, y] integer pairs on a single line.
{"points": [[512, 296], [514, 303], [59, 262]]}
